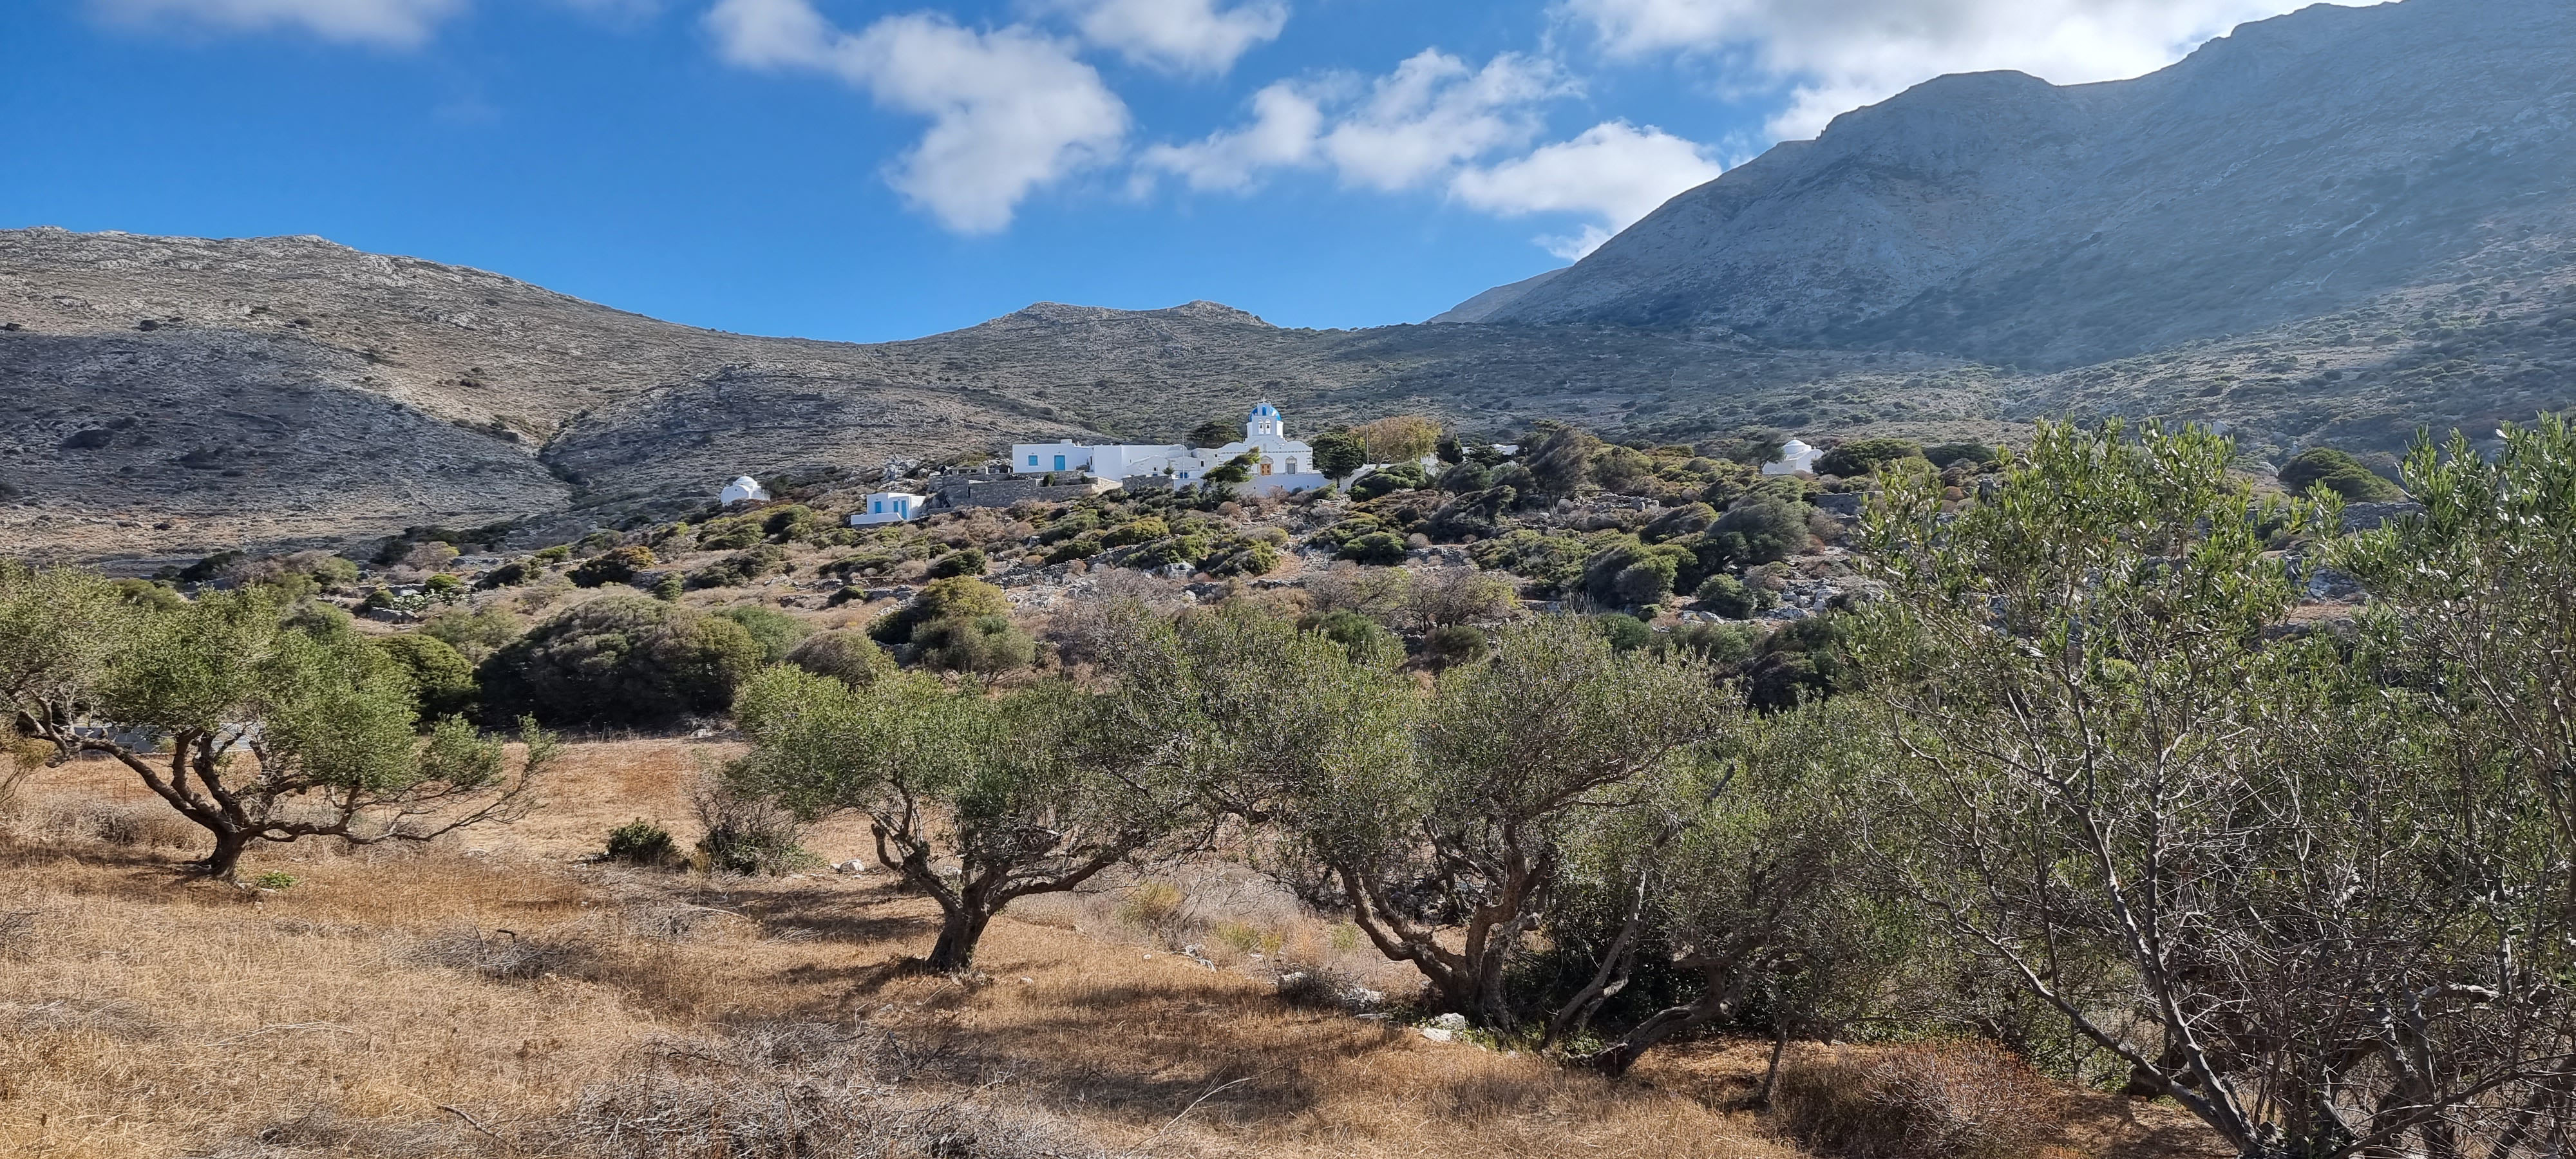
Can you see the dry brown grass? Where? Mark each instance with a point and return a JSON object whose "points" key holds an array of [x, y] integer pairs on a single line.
{"points": [[494, 996]]}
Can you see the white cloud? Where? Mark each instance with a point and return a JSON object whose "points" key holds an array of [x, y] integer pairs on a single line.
{"points": [[1615, 173], [386, 23], [1405, 130], [1182, 36], [1840, 54], [1437, 121], [1010, 110], [1287, 121]]}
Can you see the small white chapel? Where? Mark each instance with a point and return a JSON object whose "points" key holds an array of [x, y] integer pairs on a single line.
{"points": [[1282, 465]]}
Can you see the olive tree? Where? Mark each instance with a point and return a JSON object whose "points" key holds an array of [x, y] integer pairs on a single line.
{"points": [[1739, 876], [1034, 791], [2118, 772], [1448, 863], [326, 722]]}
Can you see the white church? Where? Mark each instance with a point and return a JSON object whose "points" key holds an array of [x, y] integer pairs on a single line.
{"points": [[1282, 464]]}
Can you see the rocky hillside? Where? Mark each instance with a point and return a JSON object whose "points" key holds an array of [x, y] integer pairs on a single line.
{"points": [[164, 397], [2302, 166]]}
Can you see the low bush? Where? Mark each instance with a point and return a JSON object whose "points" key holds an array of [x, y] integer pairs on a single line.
{"points": [[625, 660], [642, 842], [1725, 595], [2339, 472], [1865, 456], [748, 835], [1956, 1100], [1626, 633], [1378, 548], [954, 598], [844, 655], [1455, 644], [442, 679], [1357, 634], [775, 631], [970, 562], [757, 562], [988, 645], [612, 567]]}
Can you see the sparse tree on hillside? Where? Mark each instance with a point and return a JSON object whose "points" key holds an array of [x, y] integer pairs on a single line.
{"points": [[1399, 439], [1033, 792], [1338, 453], [327, 720], [1516, 752], [1743, 871]]}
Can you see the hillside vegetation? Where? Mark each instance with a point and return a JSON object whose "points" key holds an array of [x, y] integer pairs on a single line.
{"points": [[2057, 798]]}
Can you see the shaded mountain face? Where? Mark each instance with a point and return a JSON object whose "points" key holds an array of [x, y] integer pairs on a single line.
{"points": [[2301, 166]]}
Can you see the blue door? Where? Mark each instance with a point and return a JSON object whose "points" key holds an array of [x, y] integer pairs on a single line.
{"points": [[1059, 462]]}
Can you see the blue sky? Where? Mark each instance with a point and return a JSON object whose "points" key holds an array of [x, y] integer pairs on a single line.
{"points": [[868, 171]]}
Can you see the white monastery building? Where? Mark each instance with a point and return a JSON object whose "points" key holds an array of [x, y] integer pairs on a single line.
{"points": [[744, 488], [888, 507], [1282, 465], [1796, 458]]}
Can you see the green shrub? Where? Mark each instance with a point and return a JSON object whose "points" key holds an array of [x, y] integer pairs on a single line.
{"points": [[1626, 633], [733, 533], [474, 633], [1945, 454], [954, 598], [1724, 645], [1379, 548], [1455, 644], [624, 660], [775, 631], [670, 587], [988, 645], [1246, 559], [1145, 530], [793, 522], [613, 567], [596, 542], [2339, 472], [970, 562], [146, 594], [1727, 596], [548, 557], [749, 836], [1865, 456], [1357, 634], [273, 880], [1375, 484], [1082, 546], [642, 842], [756, 562], [1760, 528], [1676, 522], [510, 575], [844, 655], [442, 679]]}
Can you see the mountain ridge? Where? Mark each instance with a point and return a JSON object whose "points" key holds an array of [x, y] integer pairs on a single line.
{"points": [[2000, 217]]}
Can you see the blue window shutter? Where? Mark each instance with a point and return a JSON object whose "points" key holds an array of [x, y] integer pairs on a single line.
{"points": [[1033, 460]]}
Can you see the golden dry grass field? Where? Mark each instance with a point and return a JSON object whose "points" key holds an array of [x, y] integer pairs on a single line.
{"points": [[498, 996]]}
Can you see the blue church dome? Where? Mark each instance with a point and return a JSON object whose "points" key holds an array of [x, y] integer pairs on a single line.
{"points": [[1265, 411]]}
